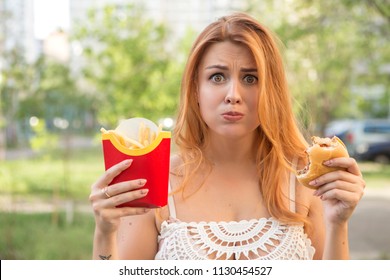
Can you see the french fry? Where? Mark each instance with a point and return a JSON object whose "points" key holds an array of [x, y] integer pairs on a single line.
{"points": [[116, 135], [134, 142], [123, 140], [145, 137], [141, 132], [152, 136]]}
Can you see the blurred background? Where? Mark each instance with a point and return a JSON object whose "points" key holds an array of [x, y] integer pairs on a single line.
{"points": [[70, 67]]}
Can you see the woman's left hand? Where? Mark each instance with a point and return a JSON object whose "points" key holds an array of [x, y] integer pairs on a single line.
{"points": [[340, 190]]}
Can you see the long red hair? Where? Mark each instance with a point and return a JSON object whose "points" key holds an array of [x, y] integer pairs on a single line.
{"points": [[280, 139]]}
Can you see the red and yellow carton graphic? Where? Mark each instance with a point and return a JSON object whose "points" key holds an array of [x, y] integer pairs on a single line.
{"points": [[148, 146]]}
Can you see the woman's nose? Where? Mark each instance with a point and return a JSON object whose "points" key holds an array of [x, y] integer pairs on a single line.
{"points": [[233, 95]]}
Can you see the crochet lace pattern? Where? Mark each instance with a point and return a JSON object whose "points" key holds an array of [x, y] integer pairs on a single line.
{"points": [[265, 238]]}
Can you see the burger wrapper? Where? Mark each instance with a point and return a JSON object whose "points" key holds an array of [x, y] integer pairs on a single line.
{"points": [[150, 163]]}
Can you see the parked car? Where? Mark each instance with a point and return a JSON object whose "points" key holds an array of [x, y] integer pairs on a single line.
{"points": [[365, 139], [378, 152]]}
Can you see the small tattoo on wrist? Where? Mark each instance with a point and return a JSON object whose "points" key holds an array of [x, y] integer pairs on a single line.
{"points": [[104, 257]]}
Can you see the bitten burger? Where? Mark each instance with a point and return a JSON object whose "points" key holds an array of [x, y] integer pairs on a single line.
{"points": [[321, 150]]}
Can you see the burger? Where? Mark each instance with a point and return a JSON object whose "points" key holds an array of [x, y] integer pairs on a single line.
{"points": [[321, 150]]}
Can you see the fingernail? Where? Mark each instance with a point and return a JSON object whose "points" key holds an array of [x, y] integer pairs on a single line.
{"points": [[127, 162], [312, 183], [315, 193], [327, 163], [144, 191], [142, 182]]}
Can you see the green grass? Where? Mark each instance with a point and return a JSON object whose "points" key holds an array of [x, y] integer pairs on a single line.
{"points": [[52, 175], [36, 237], [376, 175], [41, 236]]}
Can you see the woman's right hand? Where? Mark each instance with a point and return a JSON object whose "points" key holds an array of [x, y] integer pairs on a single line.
{"points": [[104, 199]]}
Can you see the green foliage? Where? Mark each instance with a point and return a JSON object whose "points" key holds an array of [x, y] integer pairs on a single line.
{"points": [[44, 89], [33, 237], [128, 64], [16, 80], [56, 96], [42, 140]]}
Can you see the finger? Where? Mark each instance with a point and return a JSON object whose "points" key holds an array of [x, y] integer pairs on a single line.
{"points": [[333, 176], [350, 198], [105, 193], [338, 179], [111, 173], [119, 199], [126, 186], [349, 164], [337, 184], [113, 190]]}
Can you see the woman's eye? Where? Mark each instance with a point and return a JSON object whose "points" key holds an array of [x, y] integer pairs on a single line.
{"points": [[217, 78], [250, 79]]}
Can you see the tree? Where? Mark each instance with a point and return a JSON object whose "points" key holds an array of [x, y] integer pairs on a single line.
{"points": [[16, 80], [127, 64], [54, 95]]}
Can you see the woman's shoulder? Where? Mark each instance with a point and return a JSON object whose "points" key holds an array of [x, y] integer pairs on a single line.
{"points": [[175, 171], [176, 161], [176, 168]]}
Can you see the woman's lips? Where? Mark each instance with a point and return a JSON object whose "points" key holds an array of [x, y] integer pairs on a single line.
{"points": [[232, 116]]}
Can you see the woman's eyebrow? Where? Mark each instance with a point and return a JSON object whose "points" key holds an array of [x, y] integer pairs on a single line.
{"points": [[222, 67], [246, 70], [217, 66]]}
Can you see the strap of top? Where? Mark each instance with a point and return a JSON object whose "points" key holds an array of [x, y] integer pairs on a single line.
{"points": [[292, 186], [171, 203]]}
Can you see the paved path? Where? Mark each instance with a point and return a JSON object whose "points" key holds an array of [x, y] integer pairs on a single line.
{"points": [[369, 228]]}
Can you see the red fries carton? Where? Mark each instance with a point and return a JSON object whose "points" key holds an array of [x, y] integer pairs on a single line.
{"points": [[141, 140]]}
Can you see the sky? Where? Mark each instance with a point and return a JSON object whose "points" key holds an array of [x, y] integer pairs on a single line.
{"points": [[49, 16]]}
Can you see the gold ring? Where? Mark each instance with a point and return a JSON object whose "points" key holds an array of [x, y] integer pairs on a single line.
{"points": [[104, 190]]}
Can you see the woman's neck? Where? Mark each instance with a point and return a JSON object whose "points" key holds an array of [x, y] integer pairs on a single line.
{"points": [[221, 150]]}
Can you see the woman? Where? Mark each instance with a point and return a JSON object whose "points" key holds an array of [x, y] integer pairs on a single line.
{"points": [[234, 193]]}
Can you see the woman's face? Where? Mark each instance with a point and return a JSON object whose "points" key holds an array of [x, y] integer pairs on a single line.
{"points": [[228, 90]]}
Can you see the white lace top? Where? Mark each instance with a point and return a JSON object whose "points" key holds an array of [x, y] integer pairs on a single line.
{"points": [[264, 238]]}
